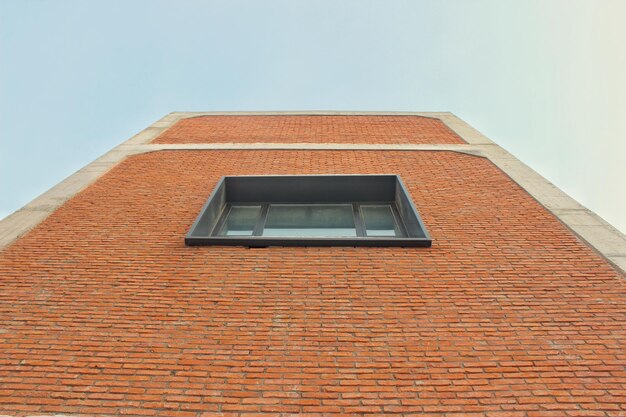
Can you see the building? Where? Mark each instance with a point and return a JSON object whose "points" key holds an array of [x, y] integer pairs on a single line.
{"points": [[517, 307]]}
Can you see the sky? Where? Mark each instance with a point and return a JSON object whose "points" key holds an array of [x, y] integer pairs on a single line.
{"points": [[544, 79]]}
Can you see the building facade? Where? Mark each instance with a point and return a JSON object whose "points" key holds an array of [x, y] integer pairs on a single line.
{"points": [[517, 307]]}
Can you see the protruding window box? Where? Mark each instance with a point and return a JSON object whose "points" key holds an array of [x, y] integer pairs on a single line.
{"points": [[309, 210]]}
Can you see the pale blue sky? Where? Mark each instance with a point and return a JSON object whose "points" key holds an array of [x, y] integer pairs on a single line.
{"points": [[544, 79]]}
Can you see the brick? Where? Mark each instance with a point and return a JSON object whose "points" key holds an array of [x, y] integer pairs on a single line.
{"points": [[309, 129], [107, 312]]}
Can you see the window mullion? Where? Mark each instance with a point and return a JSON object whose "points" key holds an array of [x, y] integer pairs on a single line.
{"points": [[260, 224], [358, 221]]}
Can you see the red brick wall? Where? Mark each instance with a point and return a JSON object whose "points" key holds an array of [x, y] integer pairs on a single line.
{"points": [[310, 129], [103, 310]]}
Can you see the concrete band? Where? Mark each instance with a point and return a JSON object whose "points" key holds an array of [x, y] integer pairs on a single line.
{"points": [[596, 232]]}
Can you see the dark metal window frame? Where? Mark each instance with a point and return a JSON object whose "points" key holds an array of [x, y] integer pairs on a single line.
{"points": [[264, 190], [356, 213]]}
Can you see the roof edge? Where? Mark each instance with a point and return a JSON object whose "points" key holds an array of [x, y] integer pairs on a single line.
{"points": [[187, 114]]}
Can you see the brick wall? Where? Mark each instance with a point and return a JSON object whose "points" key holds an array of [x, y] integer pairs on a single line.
{"points": [[104, 311], [310, 129]]}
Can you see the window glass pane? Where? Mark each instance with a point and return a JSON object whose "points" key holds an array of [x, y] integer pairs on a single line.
{"points": [[240, 221], [310, 220], [379, 221]]}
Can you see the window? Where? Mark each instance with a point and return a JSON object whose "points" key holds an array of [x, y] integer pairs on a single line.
{"points": [[309, 210]]}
